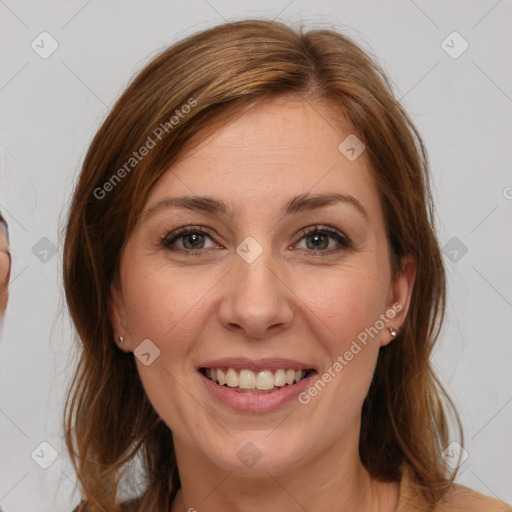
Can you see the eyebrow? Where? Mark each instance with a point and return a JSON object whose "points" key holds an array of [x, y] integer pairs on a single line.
{"points": [[298, 204]]}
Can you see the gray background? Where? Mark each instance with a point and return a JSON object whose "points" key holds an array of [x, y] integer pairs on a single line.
{"points": [[51, 108]]}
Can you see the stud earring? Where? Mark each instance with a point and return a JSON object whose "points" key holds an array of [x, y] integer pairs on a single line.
{"points": [[394, 331], [121, 339]]}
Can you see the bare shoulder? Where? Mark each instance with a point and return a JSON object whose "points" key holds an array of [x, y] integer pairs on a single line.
{"points": [[463, 499], [456, 499]]}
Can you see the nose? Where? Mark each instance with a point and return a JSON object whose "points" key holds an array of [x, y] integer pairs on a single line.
{"points": [[256, 300]]}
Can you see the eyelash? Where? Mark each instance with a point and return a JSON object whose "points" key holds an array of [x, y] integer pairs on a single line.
{"points": [[343, 240]]}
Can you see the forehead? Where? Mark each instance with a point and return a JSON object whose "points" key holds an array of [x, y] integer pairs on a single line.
{"points": [[277, 149]]}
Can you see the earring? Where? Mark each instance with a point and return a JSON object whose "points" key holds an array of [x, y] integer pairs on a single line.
{"points": [[121, 339], [394, 331]]}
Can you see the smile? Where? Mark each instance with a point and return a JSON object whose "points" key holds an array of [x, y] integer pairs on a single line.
{"points": [[255, 385], [248, 381]]}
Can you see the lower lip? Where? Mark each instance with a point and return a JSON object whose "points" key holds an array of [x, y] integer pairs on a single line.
{"points": [[256, 402]]}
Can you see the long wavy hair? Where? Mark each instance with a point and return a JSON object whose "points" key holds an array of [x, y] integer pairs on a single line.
{"points": [[219, 73]]}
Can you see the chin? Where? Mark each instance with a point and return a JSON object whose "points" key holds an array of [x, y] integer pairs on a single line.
{"points": [[257, 454]]}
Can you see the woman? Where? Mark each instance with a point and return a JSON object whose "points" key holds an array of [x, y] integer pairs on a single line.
{"points": [[252, 269]]}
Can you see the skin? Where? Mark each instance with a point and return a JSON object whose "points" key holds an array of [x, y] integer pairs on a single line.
{"points": [[287, 303], [5, 270]]}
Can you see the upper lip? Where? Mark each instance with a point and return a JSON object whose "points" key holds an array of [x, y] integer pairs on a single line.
{"points": [[256, 365]]}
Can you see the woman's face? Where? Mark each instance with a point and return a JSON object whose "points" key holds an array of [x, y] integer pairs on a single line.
{"points": [[288, 269]]}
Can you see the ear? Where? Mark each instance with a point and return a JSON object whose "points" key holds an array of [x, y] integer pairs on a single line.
{"points": [[117, 316], [399, 297]]}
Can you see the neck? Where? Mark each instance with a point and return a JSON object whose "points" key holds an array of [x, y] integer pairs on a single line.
{"points": [[333, 480]]}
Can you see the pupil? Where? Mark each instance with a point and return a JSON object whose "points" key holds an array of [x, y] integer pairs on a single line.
{"points": [[318, 241], [193, 239]]}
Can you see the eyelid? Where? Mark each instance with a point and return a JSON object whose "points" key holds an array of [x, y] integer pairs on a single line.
{"points": [[171, 237], [342, 239], [333, 232]]}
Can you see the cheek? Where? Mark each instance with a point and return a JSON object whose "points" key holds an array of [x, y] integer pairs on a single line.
{"points": [[166, 308], [343, 305], [157, 302]]}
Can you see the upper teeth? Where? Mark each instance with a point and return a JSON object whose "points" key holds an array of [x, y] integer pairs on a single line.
{"points": [[247, 379]]}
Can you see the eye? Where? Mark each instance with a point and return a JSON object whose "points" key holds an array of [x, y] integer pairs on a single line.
{"points": [[322, 239], [188, 239], [191, 240]]}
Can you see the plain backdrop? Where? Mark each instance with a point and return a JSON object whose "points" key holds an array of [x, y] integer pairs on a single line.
{"points": [[458, 90]]}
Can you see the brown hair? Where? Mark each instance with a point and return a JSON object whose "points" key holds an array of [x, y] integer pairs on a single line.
{"points": [[218, 73]]}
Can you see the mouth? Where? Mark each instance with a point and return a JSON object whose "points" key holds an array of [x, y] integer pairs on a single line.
{"points": [[255, 386], [244, 380]]}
